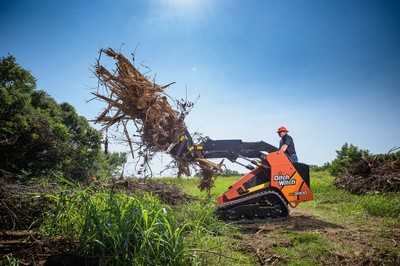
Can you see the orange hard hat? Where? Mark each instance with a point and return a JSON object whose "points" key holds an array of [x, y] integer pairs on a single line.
{"points": [[282, 129]]}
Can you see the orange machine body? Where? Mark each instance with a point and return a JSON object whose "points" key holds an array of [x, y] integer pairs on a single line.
{"points": [[279, 174]]}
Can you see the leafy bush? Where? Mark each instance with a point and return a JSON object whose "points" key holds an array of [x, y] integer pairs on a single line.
{"points": [[347, 155], [38, 136], [122, 230]]}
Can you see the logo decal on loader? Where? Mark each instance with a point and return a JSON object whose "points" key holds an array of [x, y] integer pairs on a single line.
{"points": [[284, 180], [298, 193]]}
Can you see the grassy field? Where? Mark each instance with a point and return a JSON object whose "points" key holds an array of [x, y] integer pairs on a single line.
{"points": [[337, 227]]}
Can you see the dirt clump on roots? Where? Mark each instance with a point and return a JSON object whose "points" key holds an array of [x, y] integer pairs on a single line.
{"points": [[375, 174], [134, 100]]}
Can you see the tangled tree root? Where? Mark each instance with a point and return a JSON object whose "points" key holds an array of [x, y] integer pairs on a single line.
{"points": [[131, 97]]}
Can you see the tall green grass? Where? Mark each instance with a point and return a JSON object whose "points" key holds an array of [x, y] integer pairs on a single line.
{"points": [[200, 216], [9, 261], [126, 230], [121, 230], [211, 241]]}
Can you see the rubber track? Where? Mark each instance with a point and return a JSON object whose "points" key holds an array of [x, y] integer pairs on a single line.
{"points": [[242, 201]]}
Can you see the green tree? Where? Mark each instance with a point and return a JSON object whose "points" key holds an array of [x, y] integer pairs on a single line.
{"points": [[39, 137], [347, 155]]}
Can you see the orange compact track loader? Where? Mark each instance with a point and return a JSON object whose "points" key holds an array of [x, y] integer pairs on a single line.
{"points": [[273, 183]]}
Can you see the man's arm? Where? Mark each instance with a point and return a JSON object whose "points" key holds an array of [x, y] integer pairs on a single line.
{"points": [[283, 148], [286, 142]]}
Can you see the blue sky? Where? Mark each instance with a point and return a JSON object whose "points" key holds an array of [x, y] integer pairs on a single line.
{"points": [[328, 70]]}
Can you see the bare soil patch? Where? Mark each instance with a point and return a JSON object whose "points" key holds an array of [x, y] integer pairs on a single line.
{"points": [[351, 245]]}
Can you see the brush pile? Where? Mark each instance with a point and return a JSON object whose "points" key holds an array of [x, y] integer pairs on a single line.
{"points": [[380, 173], [32, 248], [167, 193], [132, 97], [22, 206]]}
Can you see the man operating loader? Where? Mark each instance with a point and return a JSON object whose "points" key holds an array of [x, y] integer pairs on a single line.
{"points": [[286, 144]]}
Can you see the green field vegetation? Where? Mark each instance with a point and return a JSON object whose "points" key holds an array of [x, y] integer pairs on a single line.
{"points": [[140, 230]]}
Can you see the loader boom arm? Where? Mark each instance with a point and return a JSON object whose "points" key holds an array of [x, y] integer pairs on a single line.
{"points": [[234, 148]]}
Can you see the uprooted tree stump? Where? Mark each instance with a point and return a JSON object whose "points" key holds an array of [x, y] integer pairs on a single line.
{"points": [[134, 98]]}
